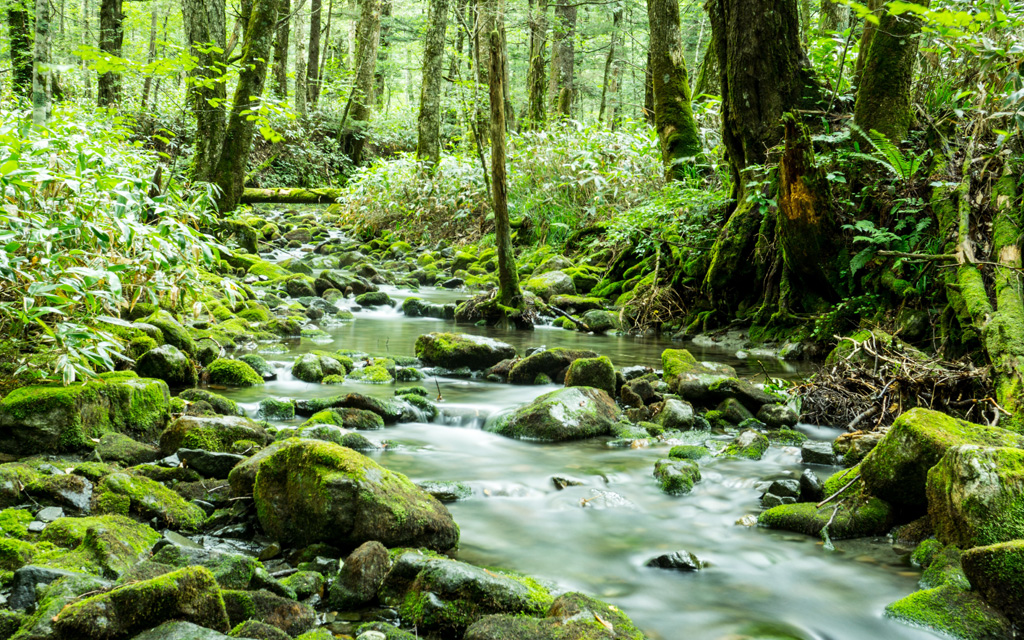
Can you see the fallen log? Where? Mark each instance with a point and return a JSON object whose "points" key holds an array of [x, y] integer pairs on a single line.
{"points": [[291, 196]]}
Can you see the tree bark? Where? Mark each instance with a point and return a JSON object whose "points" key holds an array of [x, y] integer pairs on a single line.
{"points": [[648, 91], [86, 39], [834, 17], [764, 73], [20, 36], [677, 130], [300, 64], [563, 59], [205, 26], [150, 57], [383, 50], [609, 85], [234, 157], [313, 59], [867, 34], [883, 97], [536, 111], [41, 67], [357, 110], [108, 91], [428, 146], [709, 79], [281, 51]]}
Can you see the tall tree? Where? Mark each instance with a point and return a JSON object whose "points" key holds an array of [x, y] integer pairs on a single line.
{"points": [[834, 16], [383, 51], [536, 110], [867, 34], [111, 43], [300, 63], [41, 68], [19, 30], [428, 146], [234, 156], [150, 57], [609, 87], [677, 130], [883, 97], [313, 60], [563, 58], [764, 73], [205, 26], [360, 101], [281, 50]]}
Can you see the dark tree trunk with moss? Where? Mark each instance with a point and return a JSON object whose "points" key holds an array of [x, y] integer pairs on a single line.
{"points": [[883, 97], [428, 145], [357, 109], [648, 109], [764, 73], [206, 32], [281, 51], [111, 42], [313, 55], [834, 16], [866, 35], [41, 74], [709, 78], [150, 57], [234, 156], [536, 111], [609, 88], [563, 58], [19, 30], [677, 130]]}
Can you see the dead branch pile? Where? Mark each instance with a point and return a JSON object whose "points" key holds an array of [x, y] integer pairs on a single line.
{"points": [[880, 377]]}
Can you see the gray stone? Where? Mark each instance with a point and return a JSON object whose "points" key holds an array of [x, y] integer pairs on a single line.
{"points": [[49, 514], [785, 488], [777, 416], [675, 415], [178, 630], [210, 464], [23, 585], [361, 576], [811, 487], [815, 452]]}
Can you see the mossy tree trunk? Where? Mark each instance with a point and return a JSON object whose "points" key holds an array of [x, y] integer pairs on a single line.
{"points": [[677, 130], [383, 51], [648, 109], [563, 58], [111, 41], [150, 56], [281, 51], [764, 73], [205, 30], [41, 75], [360, 101], [290, 196], [883, 97], [708, 79], [300, 64], [20, 36], [428, 144], [313, 54], [834, 16], [609, 88], [866, 35], [234, 157], [536, 111]]}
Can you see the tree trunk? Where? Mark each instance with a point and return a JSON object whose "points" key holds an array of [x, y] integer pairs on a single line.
{"points": [[834, 17], [609, 86], [234, 156], [300, 64], [328, 50], [428, 147], [150, 57], [41, 67], [86, 39], [883, 97], [313, 60], [867, 34], [281, 51], [205, 24], [481, 67], [648, 91], [709, 81], [764, 73], [677, 130], [20, 36], [357, 110], [111, 41], [509, 294], [536, 111], [563, 59], [383, 50]]}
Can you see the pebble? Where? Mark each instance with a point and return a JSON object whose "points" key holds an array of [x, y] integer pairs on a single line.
{"points": [[36, 527], [49, 514]]}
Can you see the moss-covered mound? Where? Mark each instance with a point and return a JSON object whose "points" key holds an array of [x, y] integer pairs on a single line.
{"points": [[592, 372], [571, 413], [551, 363], [856, 514], [121, 493], [572, 616], [211, 433], [309, 491], [55, 419], [997, 573], [455, 350], [676, 477], [953, 611], [232, 373]]}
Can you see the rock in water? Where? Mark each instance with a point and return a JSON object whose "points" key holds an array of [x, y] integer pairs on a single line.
{"points": [[571, 413], [678, 561], [455, 350], [167, 363], [309, 491]]}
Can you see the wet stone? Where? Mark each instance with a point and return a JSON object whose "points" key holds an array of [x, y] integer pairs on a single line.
{"points": [[36, 526], [677, 561], [811, 487], [785, 488], [770, 500], [813, 452]]}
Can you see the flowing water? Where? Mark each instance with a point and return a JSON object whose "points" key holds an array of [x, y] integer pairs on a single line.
{"points": [[596, 537]]}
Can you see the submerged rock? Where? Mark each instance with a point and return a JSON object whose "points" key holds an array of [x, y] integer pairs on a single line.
{"points": [[309, 491], [853, 513], [749, 444], [571, 413], [455, 350]]}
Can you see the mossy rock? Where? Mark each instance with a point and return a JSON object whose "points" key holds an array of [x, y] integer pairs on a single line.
{"points": [[896, 469], [190, 594], [173, 332], [223, 406], [455, 350], [376, 373], [976, 495], [117, 447], [550, 362], [389, 410], [572, 616], [359, 419], [277, 409], [167, 363], [232, 373], [259, 365], [592, 372], [106, 545], [309, 491], [147, 499], [550, 284], [676, 477], [689, 452], [571, 413], [52, 601], [54, 419], [750, 445], [855, 514], [211, 433], [676, 363], [14, 523], [997, 572], [599, 321], [374, 299], [231, 570], [575, 304], [952, 611], [14, 476], [446, 596]]}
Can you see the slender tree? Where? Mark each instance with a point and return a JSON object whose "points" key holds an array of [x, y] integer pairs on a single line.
{"points": [[313, 59], [111, 43], [281, 51], [41, 68], [563, 58], [609, 86], [300, 63], [360, 101], [428, 147], [205, 30], [150, 57], [383, 51], [19, 30], [867, 34], [677, 130], [536, 113]]}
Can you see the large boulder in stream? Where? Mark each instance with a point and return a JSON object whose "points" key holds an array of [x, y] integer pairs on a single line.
{"points": [[572, 615], [549, 284], [455, 350], [551, 363], [309, 491], [571, 413], [896, 470], [850, 513], [51, 419]]}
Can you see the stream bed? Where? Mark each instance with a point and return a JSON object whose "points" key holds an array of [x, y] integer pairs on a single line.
{"points": [[597, 537]]}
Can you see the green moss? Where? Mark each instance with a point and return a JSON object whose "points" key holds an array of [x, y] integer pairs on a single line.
{"points": [[220, 404], [15, 554], [856, 514], [233, 373], [150, 499], [786, 437], [373, 374], [104, 545], [688, 452], [173, 332], [14, 523], [840, 479], [951, 610], [675, 476]]}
